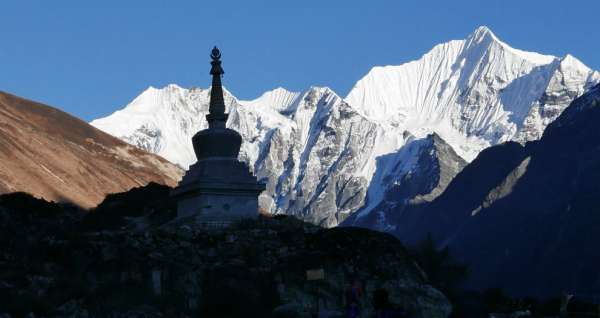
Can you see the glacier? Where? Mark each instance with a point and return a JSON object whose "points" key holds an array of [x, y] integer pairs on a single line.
{"points": [[326, 158]]}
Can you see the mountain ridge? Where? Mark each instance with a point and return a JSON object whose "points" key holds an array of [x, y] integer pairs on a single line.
{"points": [[318, 151], [521, 216], [53, 155]]}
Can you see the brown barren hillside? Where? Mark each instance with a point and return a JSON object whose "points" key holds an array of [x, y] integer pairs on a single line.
{"points": [[54, 155]]}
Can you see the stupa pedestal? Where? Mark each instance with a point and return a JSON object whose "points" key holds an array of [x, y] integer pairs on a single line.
{"points": [[218, 189]]}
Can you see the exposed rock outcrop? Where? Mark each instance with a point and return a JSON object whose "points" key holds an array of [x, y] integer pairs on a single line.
{"points": [[418, 173]]}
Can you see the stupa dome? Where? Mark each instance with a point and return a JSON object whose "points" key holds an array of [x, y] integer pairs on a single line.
{"points": [[217, 142]]}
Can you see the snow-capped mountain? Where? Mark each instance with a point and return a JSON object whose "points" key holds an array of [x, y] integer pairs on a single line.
{"points": [[315, 151], [325, 157], [162, 121], [474, 92]]}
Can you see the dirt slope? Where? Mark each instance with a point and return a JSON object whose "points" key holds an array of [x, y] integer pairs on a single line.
{"points": [[54, 155]]}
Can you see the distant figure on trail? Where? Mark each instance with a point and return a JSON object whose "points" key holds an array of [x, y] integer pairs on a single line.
{"points": [[383, 307], [353, 296]]}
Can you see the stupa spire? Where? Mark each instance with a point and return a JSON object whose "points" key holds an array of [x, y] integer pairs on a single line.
{"points": [[216, 117], [217, 141]]}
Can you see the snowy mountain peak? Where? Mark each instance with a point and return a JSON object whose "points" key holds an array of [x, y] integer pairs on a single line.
{"points": [[173, 87], [474, 92], [153, 98], [319, 97], [322, 91], [278, 99], [320, 154], [280, 91], [574, 62], [483, 32], [483, 36], [170, 88]]}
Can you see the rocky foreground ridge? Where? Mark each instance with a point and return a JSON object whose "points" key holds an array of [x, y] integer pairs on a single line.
{"points": [[127, 258]]}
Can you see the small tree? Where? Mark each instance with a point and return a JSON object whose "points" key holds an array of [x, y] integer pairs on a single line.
{"points": [[442, 270]]}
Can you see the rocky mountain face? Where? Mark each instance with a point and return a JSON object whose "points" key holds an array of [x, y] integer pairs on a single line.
{"points": [[427, 168], [57, 261], [525, 218], [308, 147], [55, 156], [324, 158]]}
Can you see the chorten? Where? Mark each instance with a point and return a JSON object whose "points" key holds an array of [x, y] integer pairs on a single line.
{"points": [[218, 188]]}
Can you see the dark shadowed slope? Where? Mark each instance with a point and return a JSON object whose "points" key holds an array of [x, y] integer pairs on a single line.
{"points": [[54, 155], [527, 218]]}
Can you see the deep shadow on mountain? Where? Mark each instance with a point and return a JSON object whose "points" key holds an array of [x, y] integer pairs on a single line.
{"points": [[127, 258], [526, 218], [405, 184]]}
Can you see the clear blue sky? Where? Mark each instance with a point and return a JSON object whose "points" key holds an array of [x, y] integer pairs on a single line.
{"points": [[90, 58]]}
